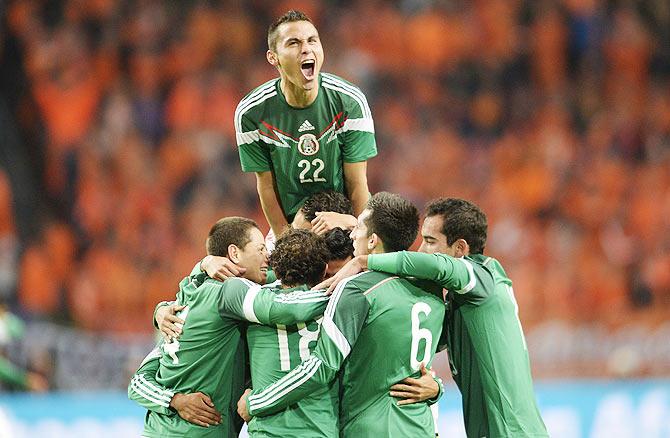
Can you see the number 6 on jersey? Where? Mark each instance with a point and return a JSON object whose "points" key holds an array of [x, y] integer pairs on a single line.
{"points": [[419, 333]]}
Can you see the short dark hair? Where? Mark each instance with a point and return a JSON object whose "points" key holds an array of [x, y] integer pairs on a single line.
{"points": [[339, 244], [328, 200], [299, 257], [288, 17], [394, 219], [462, 220], [228, 231]]}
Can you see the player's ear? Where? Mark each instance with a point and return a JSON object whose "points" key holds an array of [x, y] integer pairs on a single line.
{"points": [[373, 241], [272, 58], [234, 253], [462, 248]]}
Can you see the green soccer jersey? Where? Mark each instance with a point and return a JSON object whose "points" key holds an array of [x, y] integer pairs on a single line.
{"points": [[378, 329], [305, 148], [210, 355], [273, 351], [487, 350]]}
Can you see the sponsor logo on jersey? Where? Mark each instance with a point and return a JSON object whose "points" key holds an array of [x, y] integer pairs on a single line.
{"points": [[308, 144], [306, 126]]}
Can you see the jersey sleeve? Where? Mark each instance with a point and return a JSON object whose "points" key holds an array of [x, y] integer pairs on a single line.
{"points": [[342, 323], [251, 302], [359, 128], [454, 274], [146, 391], [254, 154]]}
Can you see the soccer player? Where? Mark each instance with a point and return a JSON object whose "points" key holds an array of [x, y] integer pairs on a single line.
{"points": [[377, 328], [210, 354], [306, 131], [487, 350], [299, 260]]}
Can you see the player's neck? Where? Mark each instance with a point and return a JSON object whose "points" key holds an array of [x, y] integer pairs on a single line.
{"points": [[298, 97]]}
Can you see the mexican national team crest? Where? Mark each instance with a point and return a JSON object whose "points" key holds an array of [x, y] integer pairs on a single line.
{"points": [[308, 144]]}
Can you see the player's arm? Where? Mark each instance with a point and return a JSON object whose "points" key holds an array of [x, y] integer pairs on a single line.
{"points": [[21, 379], [356, 182], [342, 323], [270, 202], [246, 300], [144, 389], [456, 274]]}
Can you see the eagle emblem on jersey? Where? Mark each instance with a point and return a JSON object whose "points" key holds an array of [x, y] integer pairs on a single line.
{"points": [[308, 144]]}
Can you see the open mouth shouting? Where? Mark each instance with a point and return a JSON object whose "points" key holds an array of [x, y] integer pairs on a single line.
{"points": [[308, 68]]}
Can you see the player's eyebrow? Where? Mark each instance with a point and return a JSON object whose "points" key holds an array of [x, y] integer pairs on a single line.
{"points": [[428, 237]]}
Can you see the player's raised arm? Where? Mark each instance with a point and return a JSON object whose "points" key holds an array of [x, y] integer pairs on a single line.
{"points": [[342, 323], [246, 300], [356, 182], [457, 274]]}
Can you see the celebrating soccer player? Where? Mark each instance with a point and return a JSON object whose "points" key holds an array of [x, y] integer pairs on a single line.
{"points": [[306, 131], [487, 350]]}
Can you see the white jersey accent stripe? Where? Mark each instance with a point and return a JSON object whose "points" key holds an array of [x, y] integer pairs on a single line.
{"points": [[330, 310], [238, 117], [366, 125], [147, 395], [248, 306], [333, 80], [339, 85], [167, 394], [247, 137], [471, 273], [334, 333], [289, 382], [366, 112], [156, 352], [254, 95], [244, 104]]}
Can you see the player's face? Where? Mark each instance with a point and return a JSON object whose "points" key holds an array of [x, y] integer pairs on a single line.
{"points": [[433, 240], [299, 54], [254, 257], [360, 234], [300, 223]]}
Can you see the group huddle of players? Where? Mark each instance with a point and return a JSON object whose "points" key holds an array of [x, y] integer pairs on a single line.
{"points": [[333, 325]]}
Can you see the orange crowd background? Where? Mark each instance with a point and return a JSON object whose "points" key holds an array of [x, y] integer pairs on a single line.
{"points": [[554, 116]]}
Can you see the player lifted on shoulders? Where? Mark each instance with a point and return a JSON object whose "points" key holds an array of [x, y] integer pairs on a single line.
{"points": [[306, 131]]}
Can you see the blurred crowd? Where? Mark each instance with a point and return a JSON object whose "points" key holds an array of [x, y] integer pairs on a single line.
{"points": [[554, 116]]}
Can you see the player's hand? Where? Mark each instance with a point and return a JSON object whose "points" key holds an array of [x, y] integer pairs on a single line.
{"points": [[416, 390], [327, 220], [168, 322], [220, 268], [36, 382], [352, 267], [196, 408], [242, 406]]}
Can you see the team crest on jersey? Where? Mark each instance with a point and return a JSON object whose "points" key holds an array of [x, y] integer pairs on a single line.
{"points": [[308, 144]]}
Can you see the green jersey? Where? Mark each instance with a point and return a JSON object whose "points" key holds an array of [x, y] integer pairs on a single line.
{"points": [[305, 148], [487, 350], [378, 329], [210, 355], [273, 351]]}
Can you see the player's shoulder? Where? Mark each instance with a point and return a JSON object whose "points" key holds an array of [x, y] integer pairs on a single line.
{"points": [[257, 96], [234, 284], [366, 280], [334, 79], [337, 85]]}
